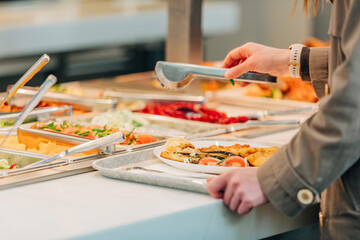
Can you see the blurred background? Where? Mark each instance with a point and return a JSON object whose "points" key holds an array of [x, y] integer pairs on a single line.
{"points": [[89, 39]]}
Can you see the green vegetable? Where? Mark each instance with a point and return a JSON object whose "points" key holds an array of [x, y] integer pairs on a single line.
{"points": [[58, 88], [50, 126], [129, 133], [218, 163], [4, 164], [84, 134], [228, 164], [232, 82], [136, 123], [276, 93]]}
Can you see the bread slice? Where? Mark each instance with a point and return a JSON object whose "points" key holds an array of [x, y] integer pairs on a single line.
{"points": [[174, 156]]}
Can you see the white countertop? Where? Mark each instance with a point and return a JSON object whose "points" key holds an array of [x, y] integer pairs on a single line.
{"points": [[90, 206]]}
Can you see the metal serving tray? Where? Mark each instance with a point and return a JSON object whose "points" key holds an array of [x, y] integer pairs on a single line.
{"points": [[187, 127], [153, 97], [84, 103], [22, 158], [37, 114], [122, 167], [114, 167], [35, 136]]}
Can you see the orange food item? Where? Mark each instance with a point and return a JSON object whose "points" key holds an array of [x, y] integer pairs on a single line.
{"points": [[209, 161], [234, 161], [93, 132]]}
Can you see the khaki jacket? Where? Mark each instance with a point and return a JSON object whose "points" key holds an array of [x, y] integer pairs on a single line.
{"points": [[324, 156]]}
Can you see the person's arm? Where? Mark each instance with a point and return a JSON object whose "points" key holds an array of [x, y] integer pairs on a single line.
{"points": [[327, 144], [314, 67]]}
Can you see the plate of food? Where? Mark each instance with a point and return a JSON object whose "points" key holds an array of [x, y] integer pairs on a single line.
{"points": [[213, 156]]}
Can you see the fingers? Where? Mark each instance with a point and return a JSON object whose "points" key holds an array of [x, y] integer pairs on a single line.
{"points": [[244, 207], [215, 186], [235, 56], [246, 66], [235, 202]]}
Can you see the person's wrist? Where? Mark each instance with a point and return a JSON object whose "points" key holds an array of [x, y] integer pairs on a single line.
{"points": [[283, 64]]}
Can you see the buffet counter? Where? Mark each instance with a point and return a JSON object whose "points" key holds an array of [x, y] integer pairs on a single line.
{"points": [[90, 206]]}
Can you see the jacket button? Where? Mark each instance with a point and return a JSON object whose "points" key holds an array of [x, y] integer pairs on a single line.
{"points": [[321, 219], [305, 196]]}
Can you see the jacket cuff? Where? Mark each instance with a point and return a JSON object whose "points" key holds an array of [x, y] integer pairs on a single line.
{"points": [[281, 184], [318, 69]]}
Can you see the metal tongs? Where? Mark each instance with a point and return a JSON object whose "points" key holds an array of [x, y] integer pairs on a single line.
{"points": [[34, 101], [178, 75], [91, 145], [43, 60]]}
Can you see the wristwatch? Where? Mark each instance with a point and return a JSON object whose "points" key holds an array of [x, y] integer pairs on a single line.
{"points": [[295, 60]]}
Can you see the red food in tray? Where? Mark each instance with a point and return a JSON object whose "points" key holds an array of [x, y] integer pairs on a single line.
{"points": [[191, 111]]}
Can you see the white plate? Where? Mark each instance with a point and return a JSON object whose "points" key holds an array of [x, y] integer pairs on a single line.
{"points": [[204, 168]]}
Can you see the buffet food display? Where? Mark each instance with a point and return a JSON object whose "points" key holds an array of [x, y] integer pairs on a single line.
{"points": [[169, 126], [236, 155], [193, 112]]}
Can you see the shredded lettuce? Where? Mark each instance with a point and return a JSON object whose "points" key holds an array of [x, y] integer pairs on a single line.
{"points": [[4, 164], [122, 118]]}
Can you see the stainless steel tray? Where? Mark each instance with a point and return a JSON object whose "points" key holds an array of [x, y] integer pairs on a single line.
{"points": [[84, 103], [114, 167], [38, 114], [21, 158], [185, 127], [25, 131], [153, 97]]}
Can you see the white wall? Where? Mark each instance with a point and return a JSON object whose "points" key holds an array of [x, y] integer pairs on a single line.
{"points": [[264, 21]]}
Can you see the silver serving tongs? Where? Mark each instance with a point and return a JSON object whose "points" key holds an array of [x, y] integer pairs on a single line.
{"points": [[34, 101], [27, 77], [91, 145], [178, 75]]}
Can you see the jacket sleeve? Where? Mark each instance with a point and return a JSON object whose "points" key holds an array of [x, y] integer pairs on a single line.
{"points": [[327, 144], [318, 69]]}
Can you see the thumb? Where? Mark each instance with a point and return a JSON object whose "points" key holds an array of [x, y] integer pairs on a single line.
{"points": [[241, 68]]}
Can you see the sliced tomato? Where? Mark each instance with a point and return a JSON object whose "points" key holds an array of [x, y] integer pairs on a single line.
{"points": [[14, 166], [209, 161], [234, 161]]}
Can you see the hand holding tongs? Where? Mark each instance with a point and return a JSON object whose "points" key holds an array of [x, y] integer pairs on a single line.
{"points": [[34, 101], [179, 75], [26, 77], [94, 144]]}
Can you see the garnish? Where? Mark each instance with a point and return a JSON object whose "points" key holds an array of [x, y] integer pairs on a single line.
{"points": [[84, 134], [65, 125], [232, 82], [50, 126], [136, 123], [228, 164], [129, 133], [221, 161], [77, 131]]}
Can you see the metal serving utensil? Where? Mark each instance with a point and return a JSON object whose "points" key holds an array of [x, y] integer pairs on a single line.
{"points": [[43, 60], [178, 75], [91, 145], [48, 83]]}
